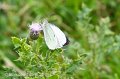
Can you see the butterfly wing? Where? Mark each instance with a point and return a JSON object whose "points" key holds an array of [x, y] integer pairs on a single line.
{"points": [[49, 36], [61, 38], [53, 36]]}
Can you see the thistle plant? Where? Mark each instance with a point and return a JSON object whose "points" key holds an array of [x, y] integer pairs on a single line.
{"points": [[88, 56], [35, 29], [39, 61]]}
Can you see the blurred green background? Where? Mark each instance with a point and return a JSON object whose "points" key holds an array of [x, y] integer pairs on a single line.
{"points": [[79, 19]]}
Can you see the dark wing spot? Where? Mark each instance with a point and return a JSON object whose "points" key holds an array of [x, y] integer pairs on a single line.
{"points": [[67, 42]]}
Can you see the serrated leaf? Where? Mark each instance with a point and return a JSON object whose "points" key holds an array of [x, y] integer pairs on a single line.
{"points": [[27, 47], [54, 77], [16, 41]]}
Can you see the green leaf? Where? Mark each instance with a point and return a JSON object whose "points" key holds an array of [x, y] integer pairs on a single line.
{"points": [[16, 41], [54, 77], [27, 47]]}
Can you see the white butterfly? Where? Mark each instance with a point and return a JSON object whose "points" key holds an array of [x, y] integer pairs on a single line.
{"points": [[53, 36]]}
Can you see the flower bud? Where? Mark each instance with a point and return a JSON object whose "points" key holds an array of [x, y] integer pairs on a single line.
{"points": [[35, 29]]}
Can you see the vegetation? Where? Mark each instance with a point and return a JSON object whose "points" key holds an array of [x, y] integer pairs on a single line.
{"points": [[92, 27]]}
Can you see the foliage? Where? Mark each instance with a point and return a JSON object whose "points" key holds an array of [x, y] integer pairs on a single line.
{"points": [[91, 26]]}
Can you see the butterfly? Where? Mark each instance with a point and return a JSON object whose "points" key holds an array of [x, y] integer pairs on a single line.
{"points": [[54, 37]]}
